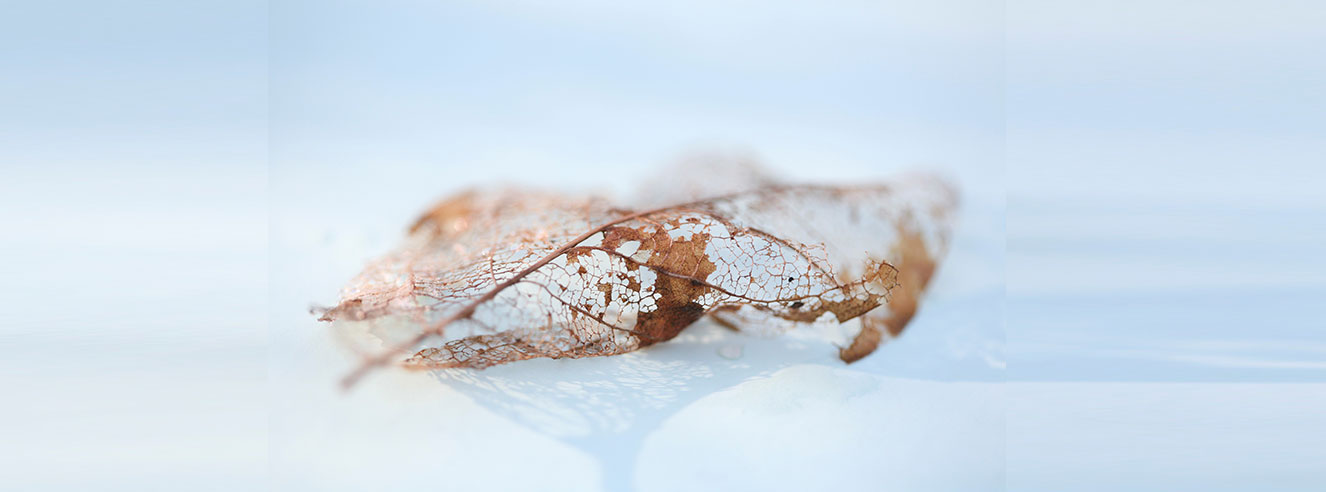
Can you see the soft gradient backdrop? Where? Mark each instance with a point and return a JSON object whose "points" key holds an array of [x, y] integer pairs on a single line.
{"points": [[1131, 301]]}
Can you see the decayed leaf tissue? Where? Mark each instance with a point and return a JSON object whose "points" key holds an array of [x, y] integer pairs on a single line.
{"points": [[491, 277]]}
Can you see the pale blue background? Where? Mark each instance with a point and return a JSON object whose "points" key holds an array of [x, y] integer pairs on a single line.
{"points": [[133, 209], [1132, 301]]}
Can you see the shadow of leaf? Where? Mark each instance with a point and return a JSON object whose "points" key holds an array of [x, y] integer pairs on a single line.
{"points": [[607, 406]]}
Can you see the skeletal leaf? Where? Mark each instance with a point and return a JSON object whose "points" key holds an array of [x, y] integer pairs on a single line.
{"points": [[490, 277]]}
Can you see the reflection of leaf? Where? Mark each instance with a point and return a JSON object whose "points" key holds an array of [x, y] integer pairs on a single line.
{"points": [[487, 278]]}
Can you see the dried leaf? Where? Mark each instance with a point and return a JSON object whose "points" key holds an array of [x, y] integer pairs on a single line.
{"points": [[487, 278]]}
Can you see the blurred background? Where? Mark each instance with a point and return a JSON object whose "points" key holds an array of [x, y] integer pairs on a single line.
{"points": [[133, 143], [1164, 161], [1129, 302]]}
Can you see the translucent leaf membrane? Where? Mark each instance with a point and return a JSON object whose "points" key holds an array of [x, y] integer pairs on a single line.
{"points": [[463, 246], [491, 278]]}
